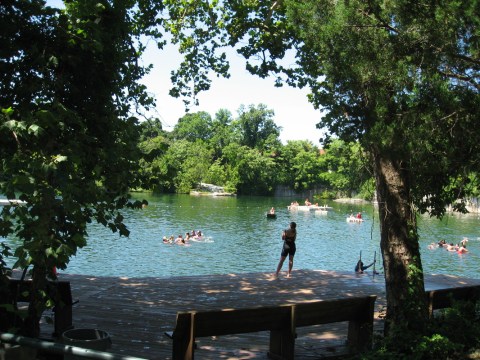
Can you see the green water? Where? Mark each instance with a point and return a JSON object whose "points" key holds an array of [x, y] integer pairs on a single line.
{"points": [[239, 238]]}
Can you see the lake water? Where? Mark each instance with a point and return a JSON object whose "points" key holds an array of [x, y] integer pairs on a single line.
{"points": [[239, 238]]}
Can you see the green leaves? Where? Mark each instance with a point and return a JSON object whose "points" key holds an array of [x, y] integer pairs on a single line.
{"points": [[8, 111], [35, 130], [70, 82], [15, 125]]}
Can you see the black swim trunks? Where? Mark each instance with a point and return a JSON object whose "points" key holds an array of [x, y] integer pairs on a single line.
{"points": [[289, 248]]}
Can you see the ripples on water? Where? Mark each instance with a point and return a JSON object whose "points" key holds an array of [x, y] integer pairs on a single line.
{"points": [[241, 239]]}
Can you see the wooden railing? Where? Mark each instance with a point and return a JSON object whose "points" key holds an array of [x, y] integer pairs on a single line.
{"points": [[59, 291], [444, 298], [281, 321]]}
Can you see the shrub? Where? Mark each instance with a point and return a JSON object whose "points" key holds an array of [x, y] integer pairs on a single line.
{"points": [[451, 334]]}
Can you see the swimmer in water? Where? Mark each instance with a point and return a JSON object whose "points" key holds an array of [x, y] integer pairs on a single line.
{"points": [[360, 268]]}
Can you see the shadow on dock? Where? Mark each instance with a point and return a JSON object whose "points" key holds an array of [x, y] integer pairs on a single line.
{"points": [[137, 312]]}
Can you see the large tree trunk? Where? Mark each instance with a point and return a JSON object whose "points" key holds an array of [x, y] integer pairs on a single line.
{"points": [[406, 305]]}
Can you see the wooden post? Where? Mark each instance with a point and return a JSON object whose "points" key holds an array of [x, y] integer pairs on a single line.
{"points": [[183, 337], [282, 341], [63, 307], [360, 330]]}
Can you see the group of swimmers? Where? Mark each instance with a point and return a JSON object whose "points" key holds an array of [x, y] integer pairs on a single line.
{"points": [[460, 248], [307, 203], [180, 240]]}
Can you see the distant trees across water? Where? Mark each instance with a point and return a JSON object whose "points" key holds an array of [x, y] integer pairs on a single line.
{"points": [[246, 156]]}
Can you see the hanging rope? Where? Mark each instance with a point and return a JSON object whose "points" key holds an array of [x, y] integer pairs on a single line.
{"points": [[371, 238]]}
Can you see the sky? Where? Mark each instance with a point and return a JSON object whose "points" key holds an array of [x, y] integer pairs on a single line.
{"points": [[292, 111]]}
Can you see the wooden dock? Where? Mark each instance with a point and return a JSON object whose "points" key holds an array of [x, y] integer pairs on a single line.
{"points": [[137, 312]]}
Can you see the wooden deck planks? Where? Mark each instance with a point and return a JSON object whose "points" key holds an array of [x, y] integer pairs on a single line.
{"points": [[137, 311]]}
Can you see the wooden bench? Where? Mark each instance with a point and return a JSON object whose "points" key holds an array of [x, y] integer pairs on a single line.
{"points": [[281, 321], [59, 291], [444, 298]]}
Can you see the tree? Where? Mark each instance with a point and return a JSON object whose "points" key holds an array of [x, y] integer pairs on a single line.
{"points": [[193, 126], [346, 166], [385, 86], [300, 165], [400, 76], [68, 142], [153, 149], [257, 128], [151, 128], [256, 173], [217, 174], [191, 161], [222, 132]]}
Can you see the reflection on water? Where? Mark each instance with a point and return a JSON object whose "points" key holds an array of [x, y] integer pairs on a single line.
{"points": [[241, 239]]}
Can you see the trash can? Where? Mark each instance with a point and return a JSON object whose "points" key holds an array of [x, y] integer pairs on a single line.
{"points": [[93, 339]]}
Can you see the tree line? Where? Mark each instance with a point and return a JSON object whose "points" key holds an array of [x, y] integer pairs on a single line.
{"points": [[245, 156]]}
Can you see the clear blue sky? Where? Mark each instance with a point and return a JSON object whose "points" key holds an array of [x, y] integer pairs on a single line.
{"points": [[293, 113]]}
